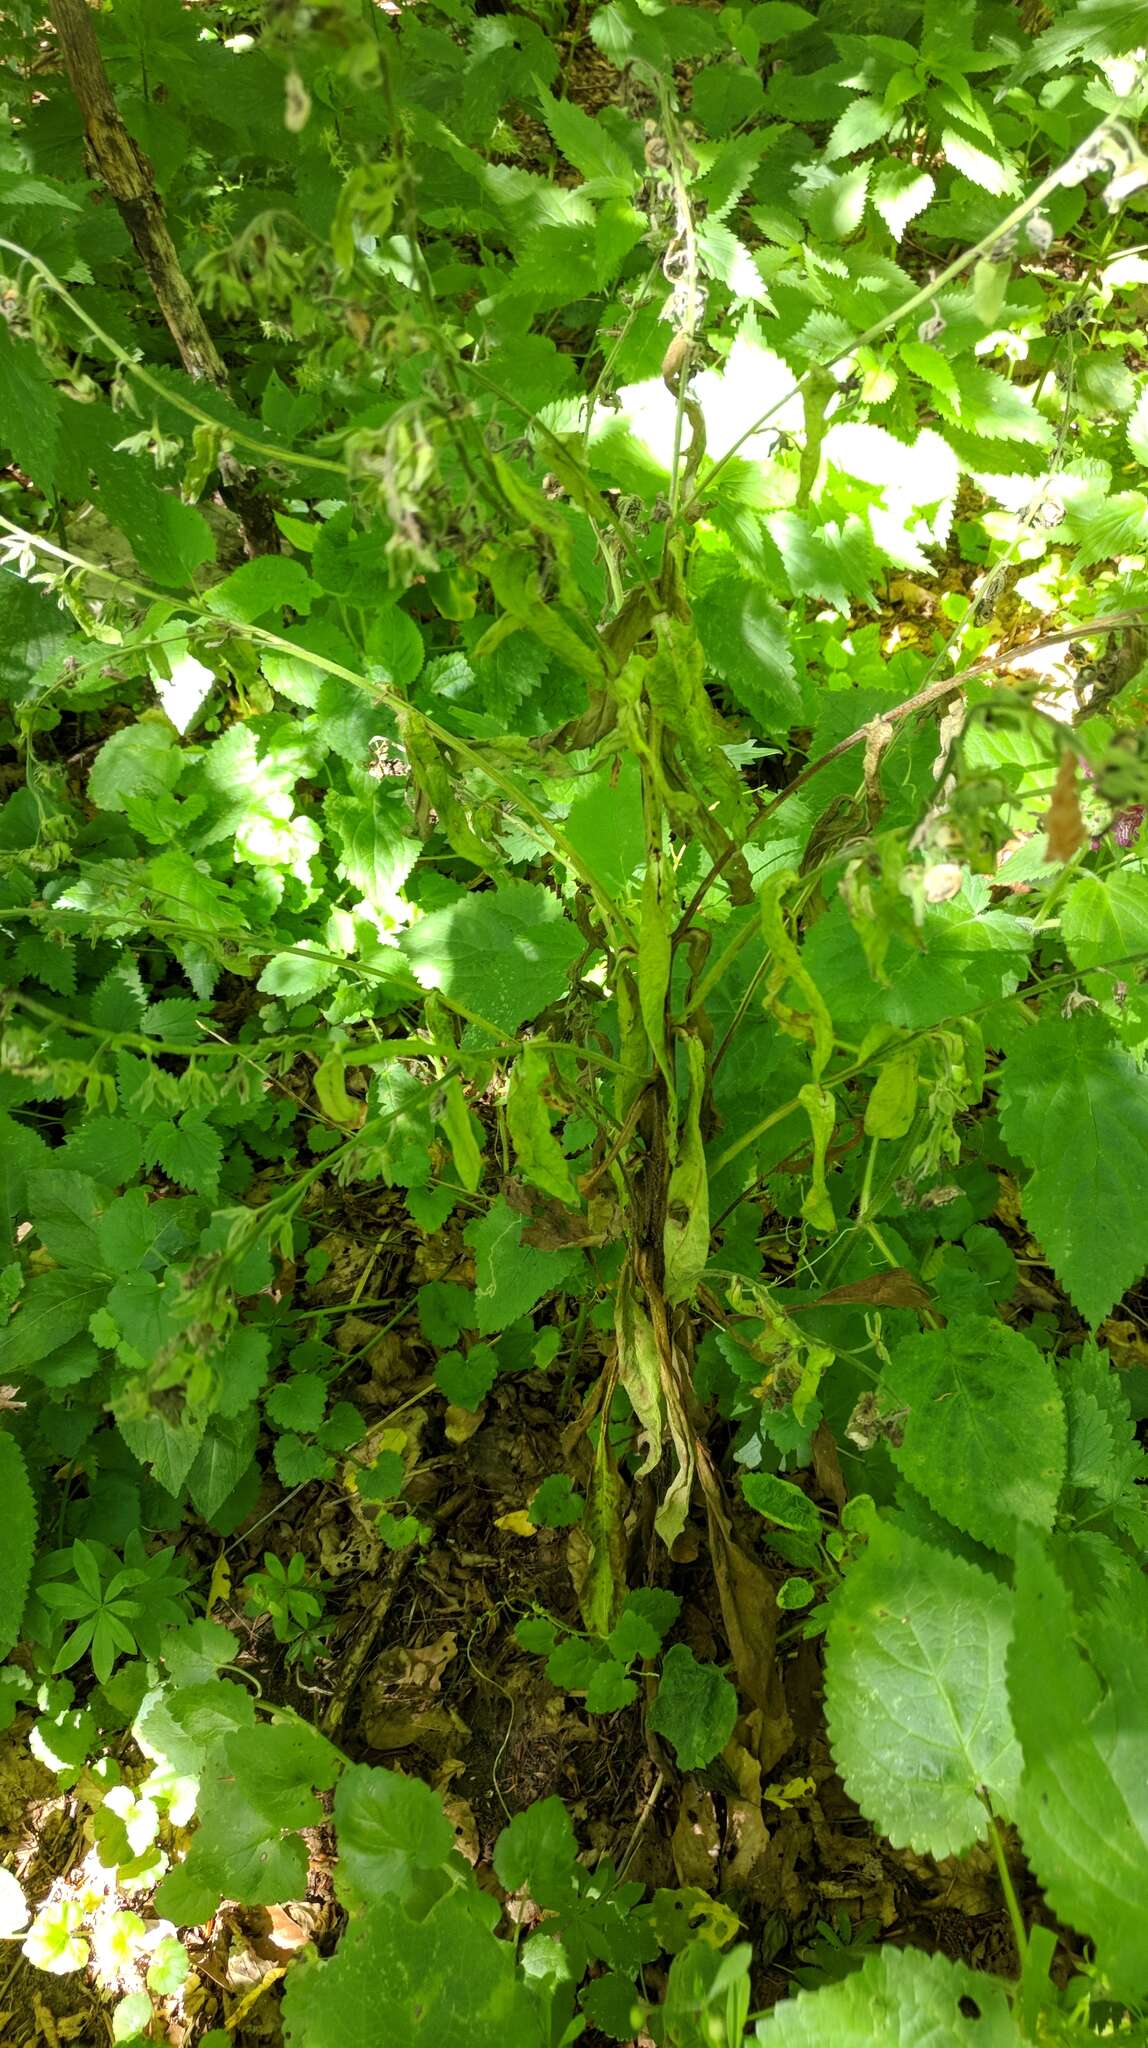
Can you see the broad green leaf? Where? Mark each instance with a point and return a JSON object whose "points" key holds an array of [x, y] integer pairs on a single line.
{"points": [[984, 1438], [29, 408], [695, 1708], [1106, 918], [53, 1308], [915, 1696], [537, 1154], [297, 975], [224, 1456], [375, 846], [18, 1543], [745, 641], [511, 1277], [1106, 524], [438, 1979], [257, 1792], [67, 1207], [503, 953], [387, 1826], [586, 143], [1074, 1107], [267, 584], [139, 760], [466, 1381], [780, 1501], [834, 561], [604, 824], [899, 1998], [394, 646], [1078, 1703], [537, 1853]]}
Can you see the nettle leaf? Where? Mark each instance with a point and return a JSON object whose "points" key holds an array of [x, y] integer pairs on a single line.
{"points": [[18, 1545], [695, 1708], [745, 640], [864, 121], [915, 1695], [984, 1440], [394, 646], [511, 1277], [899, 193], [189, 1152], [224, 1458], [1074, 1107], [503, 953], [140, 760], [991, 170], [443, 1977], [899, 1998], [604, 824], [587, 143], [1078, 1702], [29, 408], [1105, 525]]}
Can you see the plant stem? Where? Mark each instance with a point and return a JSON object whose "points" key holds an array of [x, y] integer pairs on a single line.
{"points": [[1019, 1931]]}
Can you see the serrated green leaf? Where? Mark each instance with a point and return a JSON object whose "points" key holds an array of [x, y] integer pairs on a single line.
{"points": [[984, 1438], [864, 121], [189, 1152], [899, 1998], [19, 1540], [53, 1308], [1082, 1808], [1106, 917], [257, 1792], [991, 170], [899, 193], [440, 1978], [511, 1277], [223, 1459], [915, 1696], [29, 408], [503, 953], [140, 760], [1074, 1107]]}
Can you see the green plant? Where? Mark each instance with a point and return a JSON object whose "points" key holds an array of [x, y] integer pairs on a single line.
{"points": [[111, 1607], [295, 1610], [577, 677]]}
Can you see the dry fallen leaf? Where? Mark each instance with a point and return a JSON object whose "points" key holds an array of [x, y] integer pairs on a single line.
{"points": [[1064, 824]]}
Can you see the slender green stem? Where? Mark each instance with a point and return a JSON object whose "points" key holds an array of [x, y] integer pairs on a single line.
{"points": [[1016, 1917]]}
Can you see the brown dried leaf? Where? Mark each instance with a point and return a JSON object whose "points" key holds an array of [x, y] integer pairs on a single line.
{"points": [[894, 1289], [1064, 824], [695, 1840]]}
